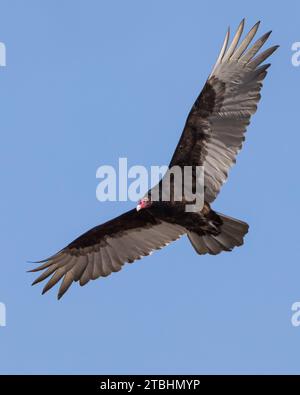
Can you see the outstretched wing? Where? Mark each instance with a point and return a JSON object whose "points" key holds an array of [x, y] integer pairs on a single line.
{"points": [[105, 248], [215, 127]]}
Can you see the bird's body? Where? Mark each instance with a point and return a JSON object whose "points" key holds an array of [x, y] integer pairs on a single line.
{"points": [[212, 137], [169, 212]]}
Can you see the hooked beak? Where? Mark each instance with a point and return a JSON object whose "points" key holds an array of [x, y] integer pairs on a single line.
{"points": [[138, 207]]}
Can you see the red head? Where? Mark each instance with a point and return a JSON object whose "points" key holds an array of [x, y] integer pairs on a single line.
{"points": [[143, 203]]}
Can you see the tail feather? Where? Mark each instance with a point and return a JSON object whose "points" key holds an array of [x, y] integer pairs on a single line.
{"points": [[232, 232]]}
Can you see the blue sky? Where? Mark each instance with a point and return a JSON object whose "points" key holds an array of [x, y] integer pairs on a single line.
{"points": [[88, 82]]}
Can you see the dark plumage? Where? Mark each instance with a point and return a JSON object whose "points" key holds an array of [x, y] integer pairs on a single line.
{"points": [[212, 136]]}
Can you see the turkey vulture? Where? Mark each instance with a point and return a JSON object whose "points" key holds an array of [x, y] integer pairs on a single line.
{"points": [[212, 136]]}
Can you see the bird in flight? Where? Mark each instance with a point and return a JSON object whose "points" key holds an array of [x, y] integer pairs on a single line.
{"points": [[212, 136]]}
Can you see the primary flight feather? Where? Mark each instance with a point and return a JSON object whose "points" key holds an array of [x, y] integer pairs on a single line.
{"points": [[212, 137]]}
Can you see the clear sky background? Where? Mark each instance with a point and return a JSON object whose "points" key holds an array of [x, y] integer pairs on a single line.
{"points": [[88, 82]]}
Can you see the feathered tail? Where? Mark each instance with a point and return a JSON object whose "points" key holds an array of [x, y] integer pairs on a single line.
{"points": [[232, 232]]}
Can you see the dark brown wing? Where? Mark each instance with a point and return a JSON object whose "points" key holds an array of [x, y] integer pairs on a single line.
{"points": [[214, 130], [105, 248]]}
